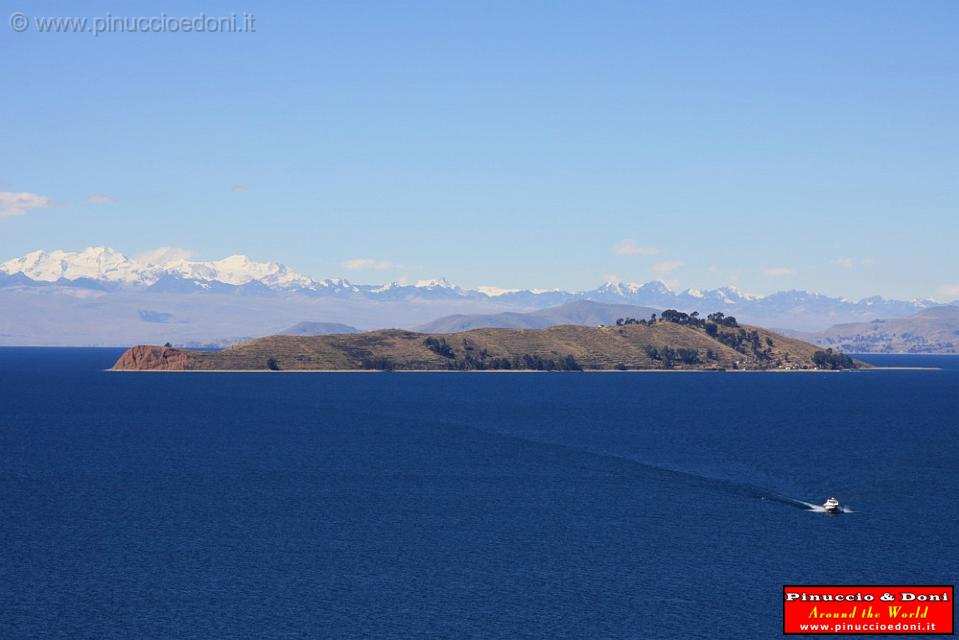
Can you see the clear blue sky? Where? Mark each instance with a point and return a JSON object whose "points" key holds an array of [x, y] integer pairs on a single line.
{"points": [[768, 144]]}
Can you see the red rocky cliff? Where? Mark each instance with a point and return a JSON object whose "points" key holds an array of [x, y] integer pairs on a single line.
{"points": [[147, 357]]}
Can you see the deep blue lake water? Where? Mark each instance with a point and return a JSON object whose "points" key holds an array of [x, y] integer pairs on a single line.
{"points": [[606, 505]]}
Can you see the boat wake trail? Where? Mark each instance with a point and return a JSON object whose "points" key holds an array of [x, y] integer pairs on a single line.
{"points": [[792, 502], [725, 485], [818, 508], [766, 494], [774, 496]]}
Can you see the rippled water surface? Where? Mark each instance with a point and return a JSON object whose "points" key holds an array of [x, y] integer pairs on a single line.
{"points": [[606, 505]]}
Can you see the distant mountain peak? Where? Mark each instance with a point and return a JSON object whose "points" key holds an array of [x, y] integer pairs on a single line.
{"points": [[732, 293], [611, 286], [110, 265], [436, 283], [95, 263], [655, 285], [622, 288], [495, 292]]}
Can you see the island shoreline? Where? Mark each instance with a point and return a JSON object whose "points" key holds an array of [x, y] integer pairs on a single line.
{"points": [[458, 371]]}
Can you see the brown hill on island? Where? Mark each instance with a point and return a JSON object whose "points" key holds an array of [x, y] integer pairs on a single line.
{"points": [[682, 342]]}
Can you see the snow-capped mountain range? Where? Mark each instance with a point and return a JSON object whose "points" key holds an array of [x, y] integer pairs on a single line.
{"points": [[105, 268], [103, 264], [84, 297]]}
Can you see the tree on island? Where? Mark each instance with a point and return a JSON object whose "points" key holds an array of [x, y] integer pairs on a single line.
{"points": [[722, 319], [830, 359]]}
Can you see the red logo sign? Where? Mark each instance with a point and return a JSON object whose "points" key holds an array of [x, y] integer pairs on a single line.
{"points": [[868, 609]]}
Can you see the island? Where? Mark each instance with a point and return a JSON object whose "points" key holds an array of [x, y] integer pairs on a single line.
{"points": [[672, 341]]}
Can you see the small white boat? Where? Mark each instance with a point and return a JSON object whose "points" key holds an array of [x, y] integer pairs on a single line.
{"points": [[832, 506]]}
